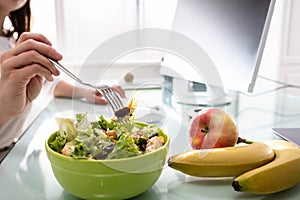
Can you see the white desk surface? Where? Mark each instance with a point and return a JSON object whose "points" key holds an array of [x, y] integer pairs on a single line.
{"points": [[26, 172]]}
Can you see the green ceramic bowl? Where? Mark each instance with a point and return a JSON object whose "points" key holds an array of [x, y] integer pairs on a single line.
{"points": [[107, 179]]}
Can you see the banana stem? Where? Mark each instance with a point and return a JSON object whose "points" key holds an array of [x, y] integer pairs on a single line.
{"points": [[242, 140]]}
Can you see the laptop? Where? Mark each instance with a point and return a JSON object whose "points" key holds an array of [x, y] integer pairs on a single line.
{"points": [[289, 134]]}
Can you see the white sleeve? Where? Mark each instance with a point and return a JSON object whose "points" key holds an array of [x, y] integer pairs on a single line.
{"points": [[15, 127], [49, 87]]}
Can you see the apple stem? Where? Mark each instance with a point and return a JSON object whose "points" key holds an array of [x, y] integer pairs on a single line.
{"points": [[242, 140]]}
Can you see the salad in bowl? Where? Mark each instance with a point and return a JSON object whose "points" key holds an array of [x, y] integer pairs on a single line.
{"points": [[105, 138]]}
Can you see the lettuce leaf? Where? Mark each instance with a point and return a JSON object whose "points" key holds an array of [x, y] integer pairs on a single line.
{"points": [[58, 143], [106, 124], [67, 128], [83, 123], [124, 148], [91, 146]]}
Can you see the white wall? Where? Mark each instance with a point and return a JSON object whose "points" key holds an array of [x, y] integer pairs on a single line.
{"points": [[290, 56], [43, 13]]}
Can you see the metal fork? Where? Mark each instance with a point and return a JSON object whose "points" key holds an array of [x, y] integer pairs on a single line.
{"points": [[119, 110]]}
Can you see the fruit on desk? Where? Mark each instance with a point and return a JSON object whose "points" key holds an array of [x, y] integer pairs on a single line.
{"points": [[128, 77], [222, 162], [212, 128], [280, 144], [280, 174]]}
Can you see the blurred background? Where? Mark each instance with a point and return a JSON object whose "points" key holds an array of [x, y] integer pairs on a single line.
{"points": [[77, 27]]}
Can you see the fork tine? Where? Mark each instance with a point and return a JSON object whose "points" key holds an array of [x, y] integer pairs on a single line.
{"points": [[112, 101], [115, 102], [116, 97], [111, 96]]}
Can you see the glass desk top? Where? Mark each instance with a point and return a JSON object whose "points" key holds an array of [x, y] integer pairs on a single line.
{"points": [[26, 172]]}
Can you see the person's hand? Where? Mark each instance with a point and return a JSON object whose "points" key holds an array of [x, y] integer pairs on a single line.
{"points": [[119, 90], [22, 71], [94, 96]]}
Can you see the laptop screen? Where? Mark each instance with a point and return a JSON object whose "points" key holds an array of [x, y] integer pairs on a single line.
{"points": [[289, 134]]}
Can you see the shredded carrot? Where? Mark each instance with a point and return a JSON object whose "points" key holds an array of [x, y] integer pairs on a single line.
{"points": [[132, 104]]}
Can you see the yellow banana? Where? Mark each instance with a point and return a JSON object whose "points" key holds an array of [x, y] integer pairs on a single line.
{"points": [[222, 162], [280, 174]]}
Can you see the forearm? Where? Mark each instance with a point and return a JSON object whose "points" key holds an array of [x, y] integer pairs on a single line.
{"points": [[3, 118], [5, 111], [63, 89], [9, 107], [67, 90]]}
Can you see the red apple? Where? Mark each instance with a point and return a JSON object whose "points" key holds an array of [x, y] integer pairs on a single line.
{"points": [[212, 128]]}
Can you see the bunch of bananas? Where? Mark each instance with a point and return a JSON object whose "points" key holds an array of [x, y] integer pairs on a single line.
{"points": [[261, 168]]}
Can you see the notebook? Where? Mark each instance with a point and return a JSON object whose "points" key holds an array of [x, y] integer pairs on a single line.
{"points": [[289, 134]]}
